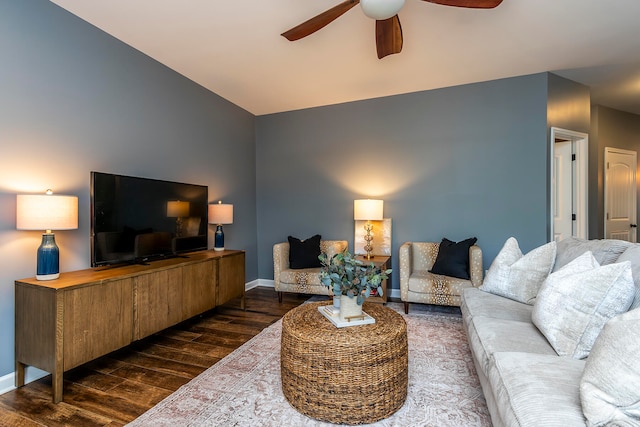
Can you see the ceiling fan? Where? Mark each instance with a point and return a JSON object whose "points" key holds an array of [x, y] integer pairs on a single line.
{"points": [[385, 12]]}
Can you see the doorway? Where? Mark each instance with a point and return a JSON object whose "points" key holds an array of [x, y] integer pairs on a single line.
{"points": [[568, 184], [620, 193]]}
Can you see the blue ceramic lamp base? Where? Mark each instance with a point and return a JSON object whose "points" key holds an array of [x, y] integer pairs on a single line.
{"points": [[219, 239], [48, 258]]}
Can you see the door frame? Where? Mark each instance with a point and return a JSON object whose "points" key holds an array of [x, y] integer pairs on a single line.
{"points": [[580, 142]]}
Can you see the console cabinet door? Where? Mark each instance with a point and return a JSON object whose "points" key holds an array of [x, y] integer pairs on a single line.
{"points": [[158, 301], [199, 287], [97, 319], [230, 278]]}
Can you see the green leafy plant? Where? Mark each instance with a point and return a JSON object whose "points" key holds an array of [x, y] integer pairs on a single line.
{"points": [[345, 275]]}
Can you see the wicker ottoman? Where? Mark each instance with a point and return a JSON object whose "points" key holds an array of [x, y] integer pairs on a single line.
{"points": [[352, 375]]}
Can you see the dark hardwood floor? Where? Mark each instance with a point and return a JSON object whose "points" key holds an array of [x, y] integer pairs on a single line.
{"points": [[117, 388]]}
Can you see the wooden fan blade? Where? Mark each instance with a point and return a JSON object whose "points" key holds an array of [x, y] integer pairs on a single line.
{"points": [[388, 36], [319, 21], [476, 4]]}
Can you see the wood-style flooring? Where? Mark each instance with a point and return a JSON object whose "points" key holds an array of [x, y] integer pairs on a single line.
{"points": [[119, 387]]}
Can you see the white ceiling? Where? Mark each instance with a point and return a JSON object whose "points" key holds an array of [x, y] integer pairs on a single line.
{"points": [[234, 47]]}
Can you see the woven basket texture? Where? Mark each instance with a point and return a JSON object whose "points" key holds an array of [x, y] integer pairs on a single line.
{"points": [[352, 375]]}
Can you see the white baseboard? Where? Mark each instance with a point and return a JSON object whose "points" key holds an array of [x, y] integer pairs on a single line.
{"points": [[8, 382], [259, 282]]}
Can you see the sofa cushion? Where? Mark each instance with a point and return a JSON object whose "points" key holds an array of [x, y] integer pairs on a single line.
{"points": [[605, 251], [632, 254], [453, 258], [488, 336], [609, 388], [516, 276], [536, 390], [476, 302], [304, 253], [575, 302]]}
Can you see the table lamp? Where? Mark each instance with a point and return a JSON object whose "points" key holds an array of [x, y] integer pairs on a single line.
{"points": [[47, 212], [368, 210], [220, 214], [178, 210]]}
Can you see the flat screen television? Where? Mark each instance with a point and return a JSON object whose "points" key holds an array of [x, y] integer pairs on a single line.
{"points": [[135, 220]]}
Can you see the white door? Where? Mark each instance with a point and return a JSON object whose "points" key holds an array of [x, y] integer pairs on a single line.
{"points": [[562, 191], [620, 194]]}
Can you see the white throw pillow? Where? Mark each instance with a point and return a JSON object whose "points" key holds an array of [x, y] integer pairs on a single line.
{"points": [[610, 385], [575, 302], [519, 277]]}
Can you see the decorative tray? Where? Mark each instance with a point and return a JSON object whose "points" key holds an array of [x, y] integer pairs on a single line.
{"points": [[327, 311]]}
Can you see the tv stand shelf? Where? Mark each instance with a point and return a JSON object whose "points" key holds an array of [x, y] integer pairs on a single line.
{"points": [[85, 314]]}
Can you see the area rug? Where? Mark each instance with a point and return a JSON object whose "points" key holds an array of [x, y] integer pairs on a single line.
{"points": [[244, 388]]}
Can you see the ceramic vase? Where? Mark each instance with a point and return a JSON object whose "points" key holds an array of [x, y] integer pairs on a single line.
{"points": [[336, 305], [349, 307]]}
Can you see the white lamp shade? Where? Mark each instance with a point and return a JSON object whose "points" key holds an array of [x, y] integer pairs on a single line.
{"points": [[220, 213], [177, 209], [381, 9], [46, 212], [368, 209]]}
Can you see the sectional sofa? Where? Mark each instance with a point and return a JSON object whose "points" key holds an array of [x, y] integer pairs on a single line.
{"points": [[555, 334]]}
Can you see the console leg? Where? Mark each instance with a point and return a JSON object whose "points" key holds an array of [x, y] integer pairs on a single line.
{"points": [[56, 380], [19, 374]]}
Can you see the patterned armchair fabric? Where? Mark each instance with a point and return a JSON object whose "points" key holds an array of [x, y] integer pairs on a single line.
{"points": [[417, 284], [305, 280]]}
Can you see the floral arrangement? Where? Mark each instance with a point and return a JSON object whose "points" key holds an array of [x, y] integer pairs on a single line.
{"points": [[346, 275]]}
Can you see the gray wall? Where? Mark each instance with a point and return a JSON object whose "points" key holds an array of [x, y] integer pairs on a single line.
{"points": [[610, 128], [569, 108], [456, 162], [568, 104], [72, 100]]}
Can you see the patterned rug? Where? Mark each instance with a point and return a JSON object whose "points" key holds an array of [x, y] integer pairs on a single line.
{"points": [[244, 388]]}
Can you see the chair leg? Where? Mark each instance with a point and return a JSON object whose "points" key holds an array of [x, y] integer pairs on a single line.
{"points": [[406, 307], [280, 297]]}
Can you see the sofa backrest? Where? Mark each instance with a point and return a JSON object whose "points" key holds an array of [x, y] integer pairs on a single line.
{"points": [[424, 255], [605, 251]]}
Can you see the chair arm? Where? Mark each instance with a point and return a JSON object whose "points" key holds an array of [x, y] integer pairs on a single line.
{"points": [[280, 261], [406, 267], [475, 265]]}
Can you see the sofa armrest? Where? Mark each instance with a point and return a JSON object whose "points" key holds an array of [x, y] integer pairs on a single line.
{"points": [[475, 265]]}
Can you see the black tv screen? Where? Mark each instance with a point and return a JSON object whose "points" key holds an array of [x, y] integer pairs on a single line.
{"points": [[135, 219]]}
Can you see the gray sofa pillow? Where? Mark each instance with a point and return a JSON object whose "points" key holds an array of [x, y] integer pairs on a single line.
{"points": [[609, 388], [632, 254], [605, 251], [575, 302]]}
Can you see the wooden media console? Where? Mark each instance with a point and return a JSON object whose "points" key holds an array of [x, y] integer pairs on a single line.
{"points": [[85, 314]]}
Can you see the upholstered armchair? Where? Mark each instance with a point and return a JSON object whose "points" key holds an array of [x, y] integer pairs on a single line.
{"points": [[301, 280], [418, 284]]}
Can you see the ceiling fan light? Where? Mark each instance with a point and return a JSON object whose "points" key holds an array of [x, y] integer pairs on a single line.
{"points": [[381, 9]]}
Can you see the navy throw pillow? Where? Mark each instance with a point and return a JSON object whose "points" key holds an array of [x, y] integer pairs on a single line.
{"points": [[304, 253], [453, 258]]}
